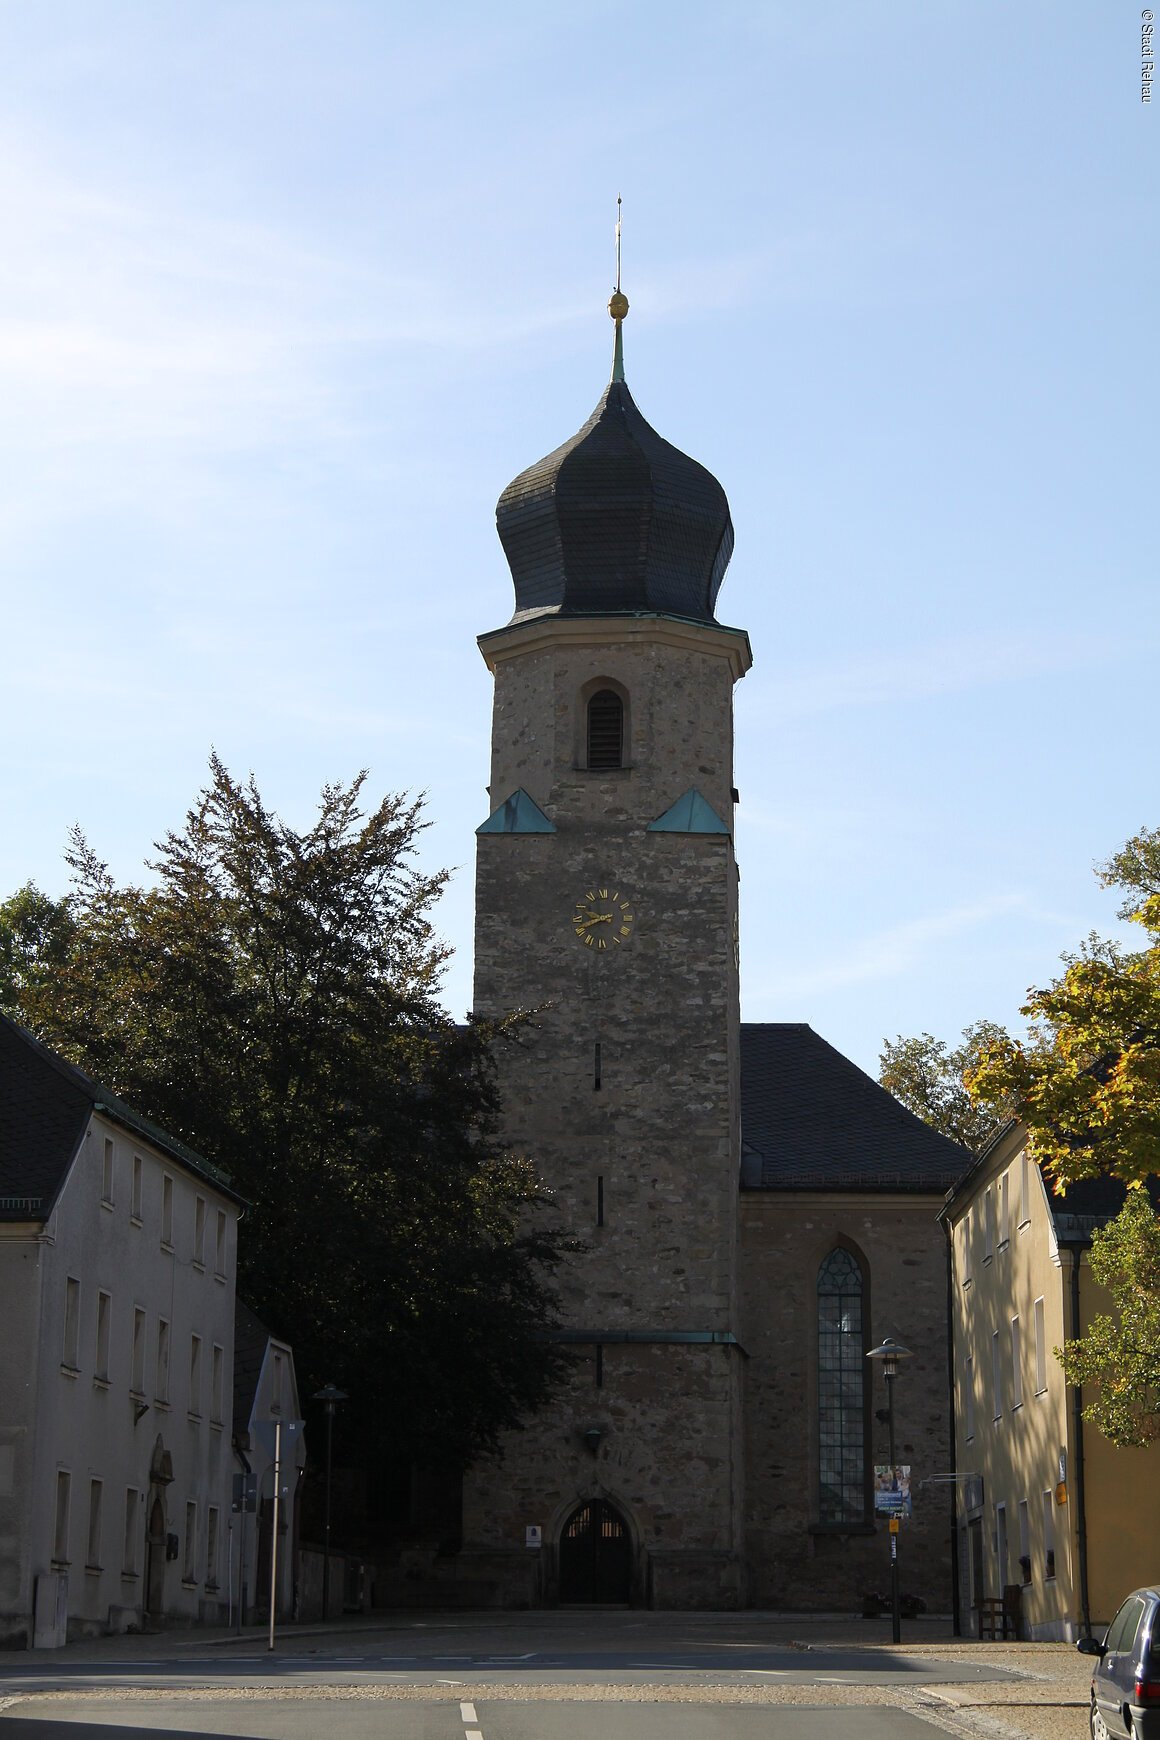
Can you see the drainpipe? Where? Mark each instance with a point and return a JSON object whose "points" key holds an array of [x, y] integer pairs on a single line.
{"points": [[1077, 1438], [956, 1605]]}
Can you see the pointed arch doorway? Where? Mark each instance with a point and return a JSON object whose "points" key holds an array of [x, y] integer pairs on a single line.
{"points": [[595, 1556]]}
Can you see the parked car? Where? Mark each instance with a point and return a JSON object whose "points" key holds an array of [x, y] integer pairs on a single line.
{"points": [[1126, 1677]]}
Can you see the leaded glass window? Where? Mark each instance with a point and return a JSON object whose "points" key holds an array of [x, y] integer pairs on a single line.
{"points": [[841, 1391]]}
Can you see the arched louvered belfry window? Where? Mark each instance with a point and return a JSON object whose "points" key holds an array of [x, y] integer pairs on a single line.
{"points": [[841, 1390], [605, 729]]}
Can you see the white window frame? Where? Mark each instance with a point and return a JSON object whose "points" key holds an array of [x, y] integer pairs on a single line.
{"points": [[1016, 1364], [1040, 1347], [93, 1554], [104, 1327], [70, 1352], [62, 1517], [997, 1375]]}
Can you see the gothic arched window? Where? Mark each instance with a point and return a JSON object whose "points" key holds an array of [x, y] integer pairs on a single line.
{"points": [[605, 729], [841, 1391]]}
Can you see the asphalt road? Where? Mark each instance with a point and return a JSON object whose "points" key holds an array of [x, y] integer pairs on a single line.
{"points": [[504, 1677], [733, 1663], [307, 1720]]}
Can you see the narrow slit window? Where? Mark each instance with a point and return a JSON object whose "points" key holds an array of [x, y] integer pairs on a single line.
{"points": [[600, 1200], [596, 1071], [605, 730]]}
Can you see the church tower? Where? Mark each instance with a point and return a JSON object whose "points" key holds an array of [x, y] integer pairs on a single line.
{"points": [[606, 902]]}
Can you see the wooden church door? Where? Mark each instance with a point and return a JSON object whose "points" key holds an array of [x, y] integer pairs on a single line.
{"points": [[596, 1556]]}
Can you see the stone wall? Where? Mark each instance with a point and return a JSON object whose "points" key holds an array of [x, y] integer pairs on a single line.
{"points": [[794, 1562], [641, 1154]]}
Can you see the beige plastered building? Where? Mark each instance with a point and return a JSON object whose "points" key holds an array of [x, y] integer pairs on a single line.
{"points": [[1045, 1504]]}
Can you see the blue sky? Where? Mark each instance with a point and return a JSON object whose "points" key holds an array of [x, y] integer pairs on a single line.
{"points": [[291, 291]]}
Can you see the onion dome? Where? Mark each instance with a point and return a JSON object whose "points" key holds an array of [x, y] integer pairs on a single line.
{"points": [[616, 520]]}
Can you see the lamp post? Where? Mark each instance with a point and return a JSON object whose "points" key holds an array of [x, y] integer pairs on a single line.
{"points": [[889, 1354], [330, 1396]]}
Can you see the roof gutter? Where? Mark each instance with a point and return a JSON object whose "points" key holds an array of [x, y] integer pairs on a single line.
{"points": [[1077, 1446]]}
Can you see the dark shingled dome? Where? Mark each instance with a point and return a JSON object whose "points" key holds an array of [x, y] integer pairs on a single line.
{"points": [[616, 520]]}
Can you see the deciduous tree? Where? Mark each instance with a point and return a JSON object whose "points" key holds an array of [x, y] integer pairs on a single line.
{"points": [[271, 997]]}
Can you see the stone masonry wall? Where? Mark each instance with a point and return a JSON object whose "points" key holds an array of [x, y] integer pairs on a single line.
{"points": [[656, 1141], [794, 1563]]}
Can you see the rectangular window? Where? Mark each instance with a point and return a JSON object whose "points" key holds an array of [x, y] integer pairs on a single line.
{"points": [[1024, 1541], [61, 1518], [970, 1398], [276, 1399], [217, 1381], [997, 1375], [93, 1556], [195, 1375], [104, 1310], [129, 1550], [600, 1199], [1049, 1534], [211, 1549], [1016, 1365], [988, 1225], [167, 1212], [70, 1352], [189, 1566], [107, 1174], [1001, 1544], [219, 1261], [199, 1232], [1004, 1209], [161, 1388], [137, 1375], [1040, 1350], [968, 1270], [1024, 1189], [138, 1171]]}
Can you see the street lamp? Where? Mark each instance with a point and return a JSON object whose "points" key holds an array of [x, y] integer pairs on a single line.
{"points": [[890, 1353], [330, 1396]]}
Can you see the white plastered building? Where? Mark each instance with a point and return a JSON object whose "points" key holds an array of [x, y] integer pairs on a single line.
{"points": [[117, 1268]]}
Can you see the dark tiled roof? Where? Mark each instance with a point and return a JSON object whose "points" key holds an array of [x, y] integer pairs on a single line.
{"points": [[45, 1106], [616, 520], [811, 1120], [1077, 1211]]}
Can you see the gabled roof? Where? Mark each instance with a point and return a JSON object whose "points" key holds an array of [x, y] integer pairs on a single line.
{"points": [[812, 1120], [251, 1338], [1076, 1212], [45, 1107]]}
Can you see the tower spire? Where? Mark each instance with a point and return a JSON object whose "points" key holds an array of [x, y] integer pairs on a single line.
{"points": [[618, 307]]}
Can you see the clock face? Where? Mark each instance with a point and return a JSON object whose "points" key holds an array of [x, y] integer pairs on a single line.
{"points": [[603, 918]]}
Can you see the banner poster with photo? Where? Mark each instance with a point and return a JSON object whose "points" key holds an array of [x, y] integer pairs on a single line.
{"points": [[892, 1489]]}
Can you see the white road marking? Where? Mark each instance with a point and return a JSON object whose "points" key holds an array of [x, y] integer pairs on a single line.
{"points": [[473, 1734], [467, 1713]]}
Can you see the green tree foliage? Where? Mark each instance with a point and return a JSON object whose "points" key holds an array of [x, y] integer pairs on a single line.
{"points": [[271, 999], [1086, 1082], [926, 1074], [1119, 1357]]}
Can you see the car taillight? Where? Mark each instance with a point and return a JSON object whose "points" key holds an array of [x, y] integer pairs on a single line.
{"points": [[1147, 1692]]}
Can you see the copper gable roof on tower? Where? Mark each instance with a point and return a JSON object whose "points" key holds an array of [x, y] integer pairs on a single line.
{"points": [[812, 1120], [617, 520]]}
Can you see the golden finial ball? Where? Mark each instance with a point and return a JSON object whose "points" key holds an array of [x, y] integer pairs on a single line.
{"points": [[618, 305]]}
